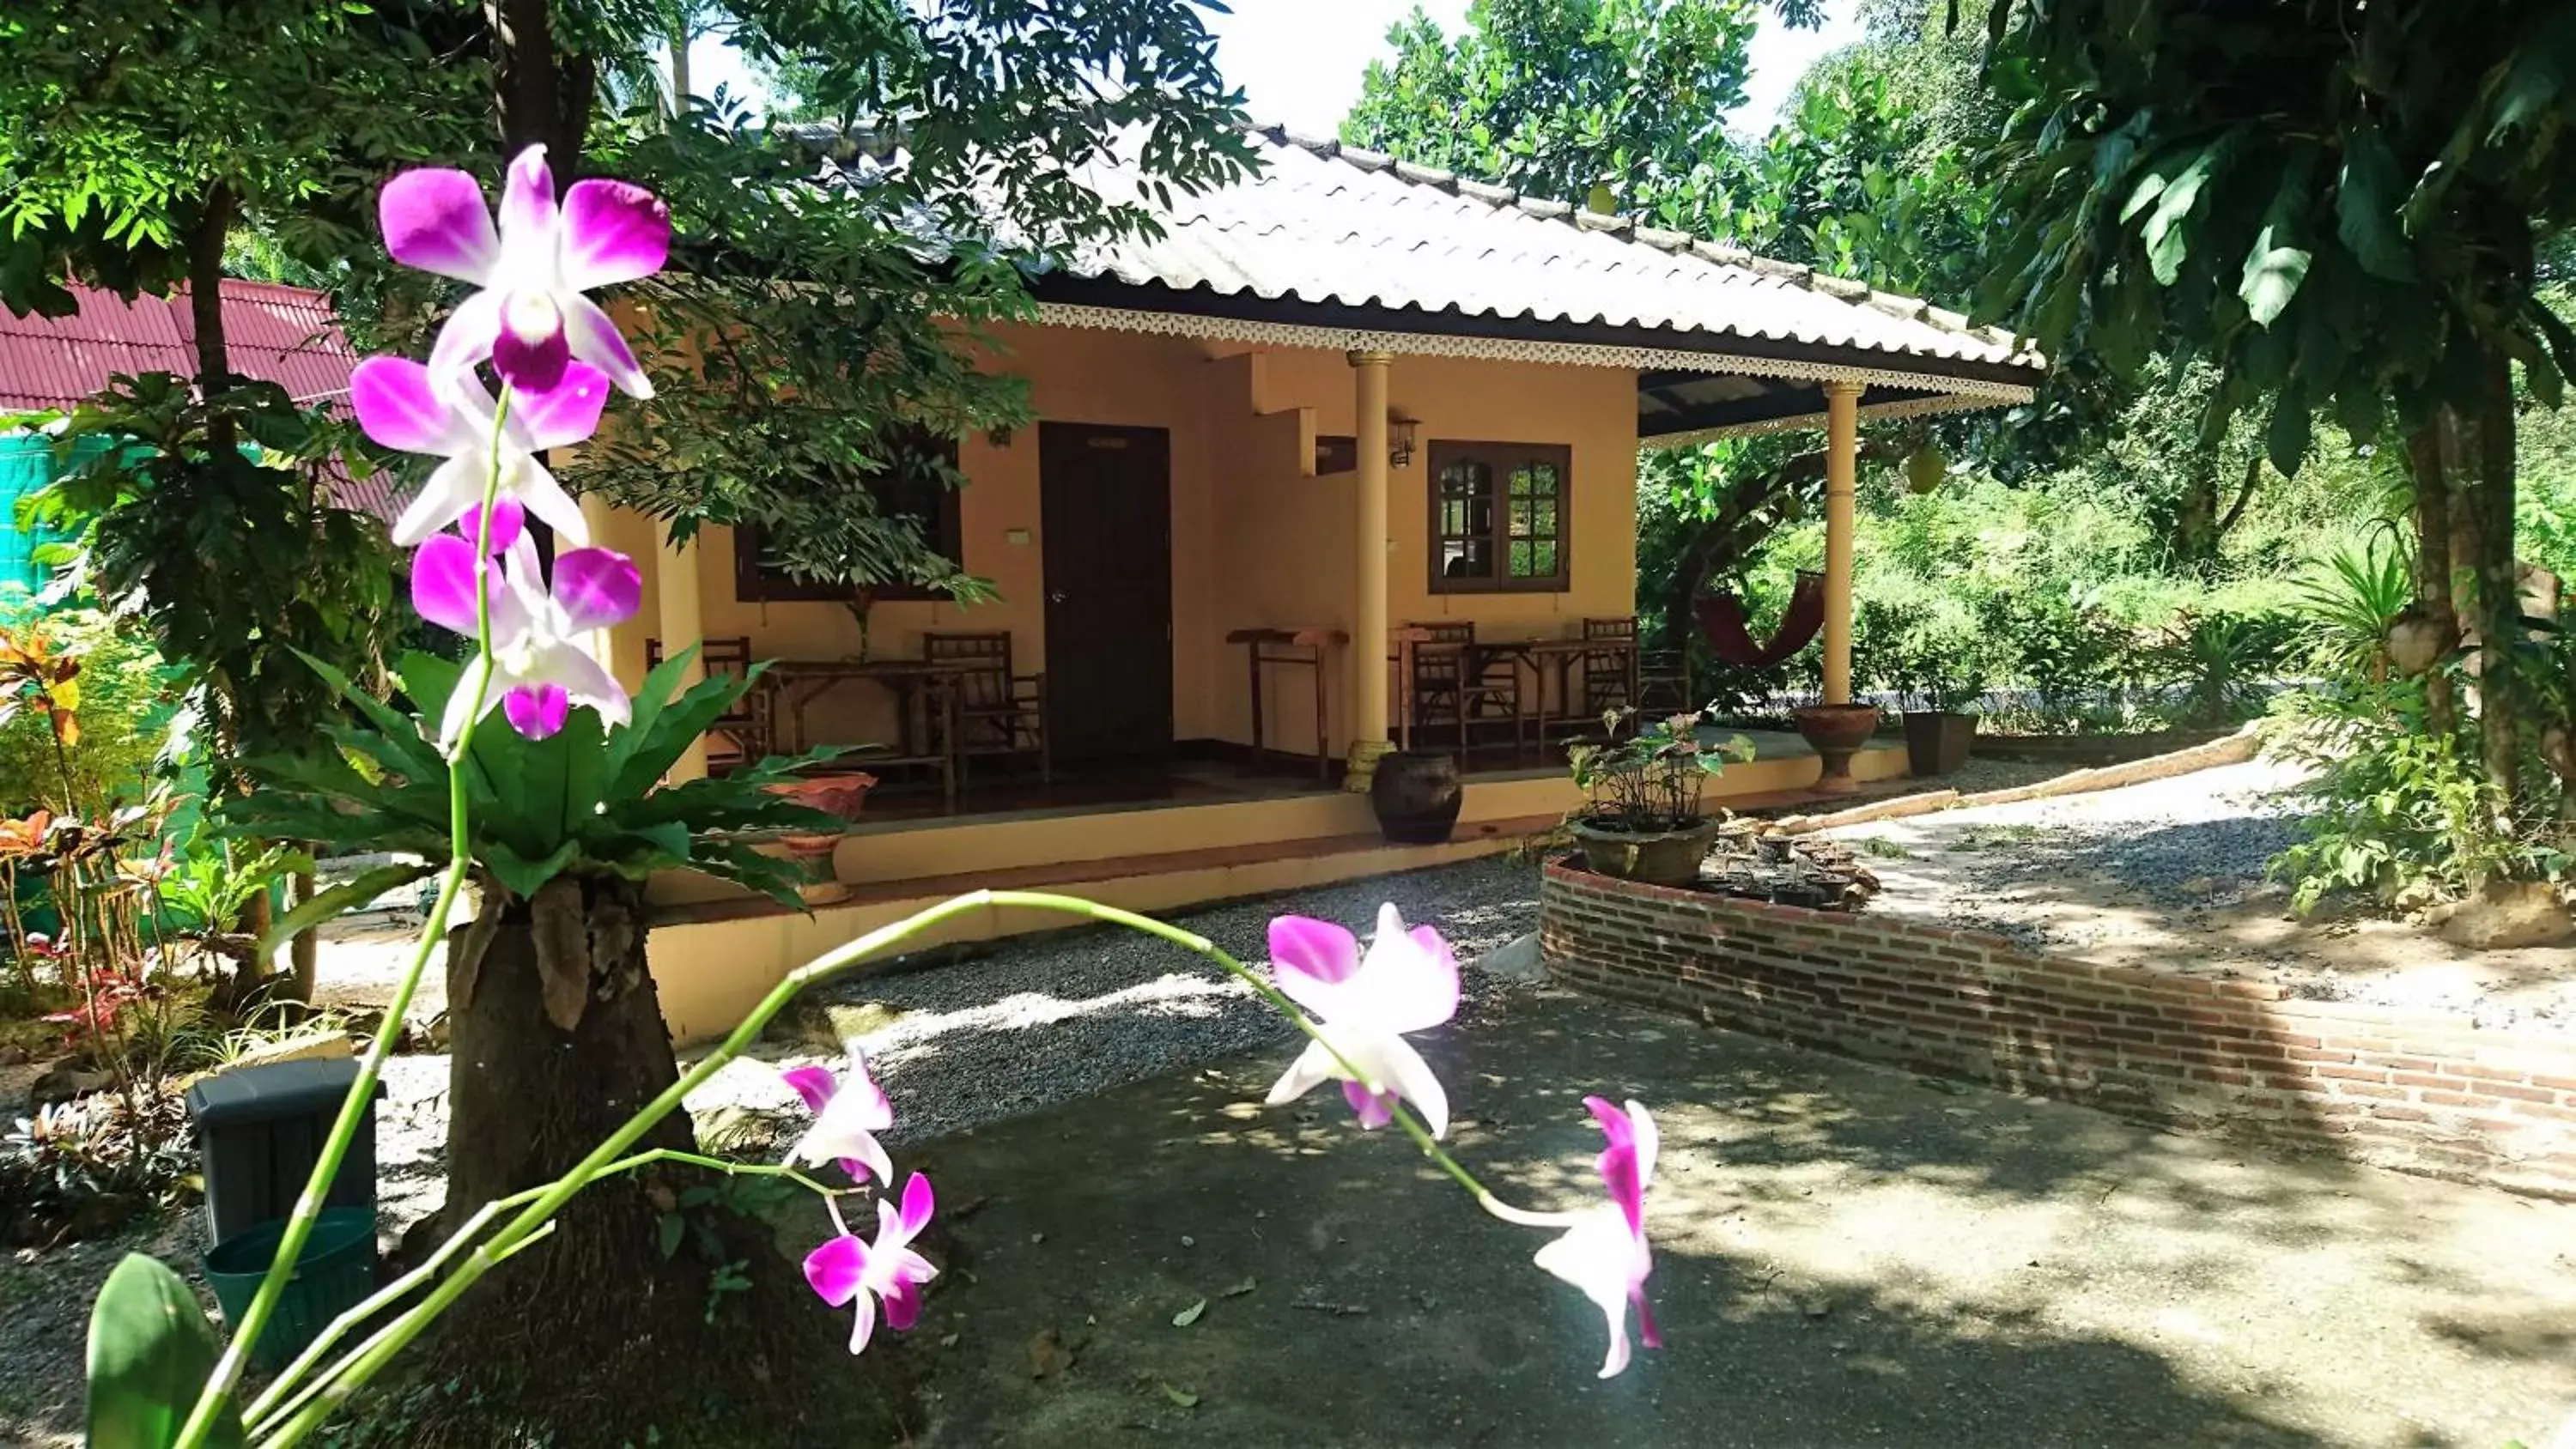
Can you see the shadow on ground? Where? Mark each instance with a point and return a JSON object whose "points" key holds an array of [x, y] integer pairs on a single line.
{"points": [[1844, 1256]]}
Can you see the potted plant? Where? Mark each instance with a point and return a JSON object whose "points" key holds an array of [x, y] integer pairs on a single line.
{"points": [[840, 795], [1643, 821], [1939, 677]]}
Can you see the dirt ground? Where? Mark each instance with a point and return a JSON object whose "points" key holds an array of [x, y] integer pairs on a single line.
{"points": [[1844, 1255], [2170, 876]]}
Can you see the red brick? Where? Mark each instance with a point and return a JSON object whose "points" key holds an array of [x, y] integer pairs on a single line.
{"points": [[2352, 1074]]}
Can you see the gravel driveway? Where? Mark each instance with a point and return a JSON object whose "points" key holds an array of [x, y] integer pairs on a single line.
{"points": [[2170, 875]]}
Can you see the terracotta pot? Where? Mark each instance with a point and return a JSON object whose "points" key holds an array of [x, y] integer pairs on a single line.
{"points": [[1417, 795], [1661, 857], [1836, 732], [842, 796], [1938, 742]]}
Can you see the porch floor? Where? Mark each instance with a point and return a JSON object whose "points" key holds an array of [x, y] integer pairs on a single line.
{"points": [[1010, 789]]}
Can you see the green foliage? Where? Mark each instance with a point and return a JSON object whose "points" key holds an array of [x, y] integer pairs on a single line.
{"points": [[130, 128], [1618, 100], [79, 1169], [2347, 605], [151, 1348], [234, 557], [126, 708], [2216, 668], [2395, 805], [2332, 202], [584, 800]]}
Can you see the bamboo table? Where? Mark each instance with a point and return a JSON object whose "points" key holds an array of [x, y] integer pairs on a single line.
{"points": [[920, 686], [1268, 647]]}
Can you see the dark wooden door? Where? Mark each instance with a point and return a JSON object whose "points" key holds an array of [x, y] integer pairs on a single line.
{"points": [[1106, 510]]}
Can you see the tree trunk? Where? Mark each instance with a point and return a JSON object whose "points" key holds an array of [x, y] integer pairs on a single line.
{"points": [[595, 1334], [545, 95], [2433, 607], [206, 307], [2195, 518], [306, 951], [2488, 493]]}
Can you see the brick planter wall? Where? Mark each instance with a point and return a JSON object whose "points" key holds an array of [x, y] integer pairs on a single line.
{"points": [[2415, 1091]]}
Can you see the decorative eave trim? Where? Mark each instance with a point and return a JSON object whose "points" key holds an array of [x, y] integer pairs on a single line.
{"points": [[1913, 407], [1957, 392]]}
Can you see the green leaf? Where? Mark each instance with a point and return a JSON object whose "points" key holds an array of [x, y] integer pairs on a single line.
{"points": [[345, 896], [2286, 439], [2366, 206], [521, 875], [151, 1350], [2273, 271], [2362, 411], [2168, 239], [673, 1228]]}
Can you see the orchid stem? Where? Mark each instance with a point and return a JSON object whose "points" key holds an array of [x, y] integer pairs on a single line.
{"points": [[362, 1092], [344, 1378]]}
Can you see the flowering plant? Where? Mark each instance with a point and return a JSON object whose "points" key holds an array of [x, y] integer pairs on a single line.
{"points": [[439, 781]]}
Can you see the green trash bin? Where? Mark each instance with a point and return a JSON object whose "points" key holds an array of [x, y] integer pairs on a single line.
{"points": [[335, 1274]]}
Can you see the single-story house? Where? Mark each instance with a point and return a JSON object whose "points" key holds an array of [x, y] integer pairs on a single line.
{"points": [[1343, 397]]}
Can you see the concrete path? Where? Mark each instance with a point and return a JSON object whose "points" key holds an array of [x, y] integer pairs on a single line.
{"points": [[1844, 1256]]}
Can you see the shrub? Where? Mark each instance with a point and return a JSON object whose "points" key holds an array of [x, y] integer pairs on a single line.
{"points": [[80, 1168]]}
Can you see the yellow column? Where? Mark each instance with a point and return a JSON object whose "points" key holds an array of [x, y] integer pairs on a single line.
{"points": [[1842, 476], [596, 512], [1368, 608], [675, 570]]}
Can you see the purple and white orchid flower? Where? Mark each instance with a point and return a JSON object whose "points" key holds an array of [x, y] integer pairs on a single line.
{"points": [[1604, 1253], [401, 406], [1364, 1005], [528, 315], [849, 1110], [539, 667], [845, 1270]]}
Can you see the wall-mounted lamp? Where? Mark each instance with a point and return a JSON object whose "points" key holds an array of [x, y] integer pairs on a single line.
{"points": [[1399, 440]]}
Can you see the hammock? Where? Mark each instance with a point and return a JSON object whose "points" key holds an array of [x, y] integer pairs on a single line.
{"points": [[1722, 624]]}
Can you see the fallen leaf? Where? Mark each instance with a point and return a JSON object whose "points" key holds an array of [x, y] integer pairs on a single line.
{"points": [[1189, 1315], [1182, 1398], [1049, 1354], [1239, 1289], [948, 1340]]}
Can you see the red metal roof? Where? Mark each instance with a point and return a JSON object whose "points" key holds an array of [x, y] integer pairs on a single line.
{"points": [[285, 335]]}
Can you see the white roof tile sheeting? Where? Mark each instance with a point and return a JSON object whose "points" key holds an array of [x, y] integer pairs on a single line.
{"points": [[1326, 223]]}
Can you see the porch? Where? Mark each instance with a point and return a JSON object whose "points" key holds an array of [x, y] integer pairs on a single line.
{"points": [[1145, 838]]}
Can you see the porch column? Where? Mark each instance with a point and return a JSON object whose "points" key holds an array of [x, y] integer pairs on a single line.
{"points": [[675, 573], [1368, 608], [595, 513], [1842, 474]]}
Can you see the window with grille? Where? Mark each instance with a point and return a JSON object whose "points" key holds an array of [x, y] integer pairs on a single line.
{"points": [[1498, 516]]}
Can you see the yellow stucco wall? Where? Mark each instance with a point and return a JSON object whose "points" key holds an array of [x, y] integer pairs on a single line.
{"points": [[1255, 541]]}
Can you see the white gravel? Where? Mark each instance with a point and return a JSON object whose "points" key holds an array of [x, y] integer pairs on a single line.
{"points": [[1026, 1024], [2171, 875]]}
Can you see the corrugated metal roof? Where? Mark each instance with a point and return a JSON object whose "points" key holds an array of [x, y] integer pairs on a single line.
{"points": [[280, 334], [1326, 223]]}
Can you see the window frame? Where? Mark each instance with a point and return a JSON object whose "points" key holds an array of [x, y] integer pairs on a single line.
{"points": [[1501, 459], [753, 584]]}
